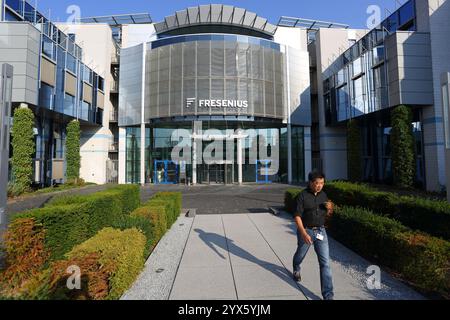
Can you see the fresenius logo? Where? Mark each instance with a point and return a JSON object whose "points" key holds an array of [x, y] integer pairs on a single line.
{"points": [[190, 102]]}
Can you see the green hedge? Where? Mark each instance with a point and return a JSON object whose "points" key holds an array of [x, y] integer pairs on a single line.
{"points": [[120, 252], [141, 223], [430, 216], [419, 258], [171, 201], [290, 199], [156, 217], [128, 195]]}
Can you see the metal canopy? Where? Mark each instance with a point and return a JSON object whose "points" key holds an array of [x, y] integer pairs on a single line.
{"points": [[215, 14], [117, 20], [309, 24]]}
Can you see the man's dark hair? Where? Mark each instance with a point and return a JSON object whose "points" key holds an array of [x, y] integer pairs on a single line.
{"points": [[313, 176]]}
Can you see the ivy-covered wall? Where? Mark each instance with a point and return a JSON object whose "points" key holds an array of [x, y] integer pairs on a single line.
{"points": [[402, 142], [73, 151], [23, 145]]}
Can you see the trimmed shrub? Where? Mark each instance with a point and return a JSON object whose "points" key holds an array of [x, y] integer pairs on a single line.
{"points": [[73, 151], [171, 201], [430, 216], [69, 225], [141, 223], [128, 196], [25, 256], [402, 142], [354, 150], [419, 258], [23, 146], [94, 278], [156, 216], [123, 251], [290, 199]]}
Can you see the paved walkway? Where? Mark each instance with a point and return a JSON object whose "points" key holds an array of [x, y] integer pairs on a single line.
{"points": [[249, 256]]}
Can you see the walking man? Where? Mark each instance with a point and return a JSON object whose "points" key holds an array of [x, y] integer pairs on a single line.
{"points": [[313, 207]]}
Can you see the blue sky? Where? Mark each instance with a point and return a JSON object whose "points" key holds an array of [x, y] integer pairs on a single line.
{"points": [[352, 12]]}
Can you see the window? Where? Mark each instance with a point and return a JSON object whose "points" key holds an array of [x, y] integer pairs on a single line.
{"points": [[69, 105], [9, 16], [445, 99], [406, 13], [87, 75], [342, 103], [357, 66], [29, 13], [358, 97], [71, 63], [341, 77], [48, 48], [84, 111], [378, 54], [46, 96], [16, 5], [101, 84]]}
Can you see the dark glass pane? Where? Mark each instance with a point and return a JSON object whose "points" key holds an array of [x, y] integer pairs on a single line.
{"points": [[406, 13]]}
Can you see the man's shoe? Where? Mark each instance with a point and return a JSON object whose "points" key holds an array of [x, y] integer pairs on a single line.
{"points": [[297, 276]]}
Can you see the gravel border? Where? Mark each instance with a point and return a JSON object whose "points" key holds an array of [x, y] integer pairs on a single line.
{"points": [[156, 280]]}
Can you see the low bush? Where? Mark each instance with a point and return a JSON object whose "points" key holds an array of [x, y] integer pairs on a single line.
{"points": [[172, 203], [25, 256], [128, 195], [64, 223], [419, 258], [157, 218], [430, 216], [109, 263], [290, 199]]}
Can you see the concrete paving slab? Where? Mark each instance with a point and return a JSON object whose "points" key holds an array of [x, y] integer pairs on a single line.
{"points": [[203, 283], [264, 281]]}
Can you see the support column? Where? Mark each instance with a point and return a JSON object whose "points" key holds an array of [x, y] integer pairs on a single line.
{"points": [[239, 157], [194, 158], [144, 48], [289, 134], [142, 154]]}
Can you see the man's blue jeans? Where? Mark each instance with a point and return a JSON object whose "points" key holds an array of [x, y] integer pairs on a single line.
{"points": [[323, 255]]}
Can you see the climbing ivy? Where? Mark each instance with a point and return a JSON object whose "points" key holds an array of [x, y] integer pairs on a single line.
{"points": [[73, 151], [23, 146], [402, 142]]}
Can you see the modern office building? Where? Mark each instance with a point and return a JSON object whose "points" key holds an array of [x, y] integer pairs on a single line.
{"points": [[158, 100], [53, 79], [364, 75], [214, 67]]}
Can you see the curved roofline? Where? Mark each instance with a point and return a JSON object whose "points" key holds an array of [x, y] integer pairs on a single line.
{"points": [[215, 14]]}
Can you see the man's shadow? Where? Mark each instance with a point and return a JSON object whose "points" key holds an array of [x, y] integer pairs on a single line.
{"points": [[214, 241]]}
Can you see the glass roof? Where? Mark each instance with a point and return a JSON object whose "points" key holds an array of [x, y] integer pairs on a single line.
{"points": [[309, 24], [117, 20]]}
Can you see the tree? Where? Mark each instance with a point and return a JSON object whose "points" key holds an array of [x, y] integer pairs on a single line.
{"points": [[73, 151], [354, 151], [23, 145], [402, 142]]}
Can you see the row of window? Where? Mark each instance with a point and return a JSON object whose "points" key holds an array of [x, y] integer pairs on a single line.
{"points": [[357, 89], [402, 19]]}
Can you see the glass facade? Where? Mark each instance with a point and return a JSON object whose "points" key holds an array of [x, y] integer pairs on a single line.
{"points": [[376, 148], [214, 67], [160, 141], [363, 69]]}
